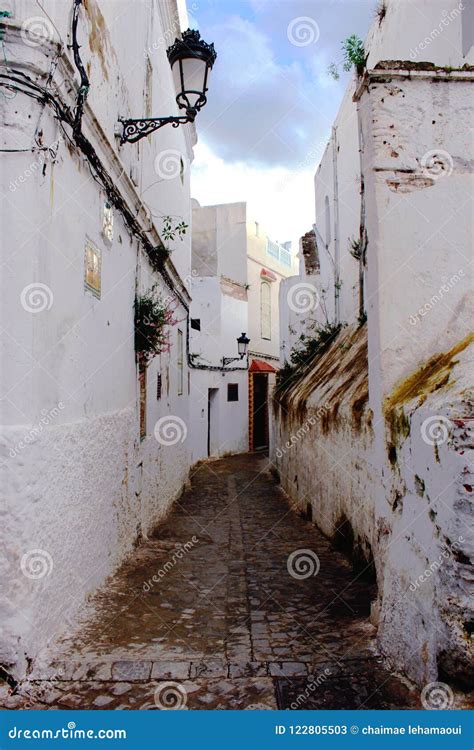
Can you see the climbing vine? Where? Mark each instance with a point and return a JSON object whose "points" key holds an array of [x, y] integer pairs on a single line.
{"points": [[153, 318]]}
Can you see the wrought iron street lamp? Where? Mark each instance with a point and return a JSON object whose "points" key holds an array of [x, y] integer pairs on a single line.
{"points": [[191, 60], [242, 347]]}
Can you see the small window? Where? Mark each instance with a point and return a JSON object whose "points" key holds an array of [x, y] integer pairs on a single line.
{"points": [[232, 391], [257, 229], [159, 386], [265, 311], [196, 324], [180, 363]]}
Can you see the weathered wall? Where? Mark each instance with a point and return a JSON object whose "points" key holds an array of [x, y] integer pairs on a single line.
{"points": [[316, 423], [417, 162], [412, 450], [80, 485]]}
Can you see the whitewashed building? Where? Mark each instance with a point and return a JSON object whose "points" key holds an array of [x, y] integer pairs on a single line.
{"points": [[236, 273], [93, 452], [375, 438]]}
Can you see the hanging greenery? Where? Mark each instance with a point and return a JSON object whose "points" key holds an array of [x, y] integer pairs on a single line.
{"points": [[153, 318], [305, 352], [171, 230], [355, 248], [353, 55]]}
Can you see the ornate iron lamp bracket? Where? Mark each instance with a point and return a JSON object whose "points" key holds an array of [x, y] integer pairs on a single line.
{"points": [[133, 130]]}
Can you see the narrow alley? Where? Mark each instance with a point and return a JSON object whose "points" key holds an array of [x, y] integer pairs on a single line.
{"points": [[236, 602]]}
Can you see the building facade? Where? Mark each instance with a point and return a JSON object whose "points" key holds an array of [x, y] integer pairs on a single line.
{"points": [[236, 273], [94, 448], [372, 435]]}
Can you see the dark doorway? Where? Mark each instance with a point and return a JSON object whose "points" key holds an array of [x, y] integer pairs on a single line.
{"points": [[212, 422], [260, 411]]}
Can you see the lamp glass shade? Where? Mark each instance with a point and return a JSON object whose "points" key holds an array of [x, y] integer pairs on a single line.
{"points": [[190, 80], [242, 345], [191, 60]]}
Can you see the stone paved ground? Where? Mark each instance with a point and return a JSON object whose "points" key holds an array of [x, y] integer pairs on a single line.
{"points": [[226, 625]]}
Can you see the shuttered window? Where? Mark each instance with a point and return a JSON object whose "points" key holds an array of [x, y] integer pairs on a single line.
{"points": [[180, 363], [265, 310]]}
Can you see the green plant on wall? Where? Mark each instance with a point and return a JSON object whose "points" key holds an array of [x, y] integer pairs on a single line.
{"points": [[309, 347], [354, 55], [153, 318], [355, 248], [173, 229]]}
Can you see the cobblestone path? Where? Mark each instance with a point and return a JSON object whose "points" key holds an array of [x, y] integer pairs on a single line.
{"points": [[224, 624]]}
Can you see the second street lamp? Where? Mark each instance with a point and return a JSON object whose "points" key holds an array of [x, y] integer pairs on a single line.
{"points": [[191, 60], [242, 347]]}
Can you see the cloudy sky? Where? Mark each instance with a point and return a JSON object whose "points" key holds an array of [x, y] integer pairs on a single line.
{"points": [[271, 102]]}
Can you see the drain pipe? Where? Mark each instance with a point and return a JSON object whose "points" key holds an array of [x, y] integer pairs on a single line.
{"points": [[337, 289]]}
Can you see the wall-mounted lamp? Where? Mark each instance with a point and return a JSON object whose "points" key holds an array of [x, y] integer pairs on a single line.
{"points": [[191, 60], [242, 347]]}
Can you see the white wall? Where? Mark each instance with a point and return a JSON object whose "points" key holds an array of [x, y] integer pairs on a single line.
{"points": [[219, 301], [403, 477], [84, 487]]}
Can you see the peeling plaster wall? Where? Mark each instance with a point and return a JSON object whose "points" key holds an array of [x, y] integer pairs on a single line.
{"points": [[418, 160], [414, 455], [80, 485], [316, 423]]}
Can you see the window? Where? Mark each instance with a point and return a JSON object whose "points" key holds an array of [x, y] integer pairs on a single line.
{"points": [[196, 324], [180, 363], [257, 229], [159, 386], [232, 391], [142, 381], [265, 310], [327, 221], [467, 25]]}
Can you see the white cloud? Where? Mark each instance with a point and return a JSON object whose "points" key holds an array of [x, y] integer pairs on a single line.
{"points": [[281, 199]]}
